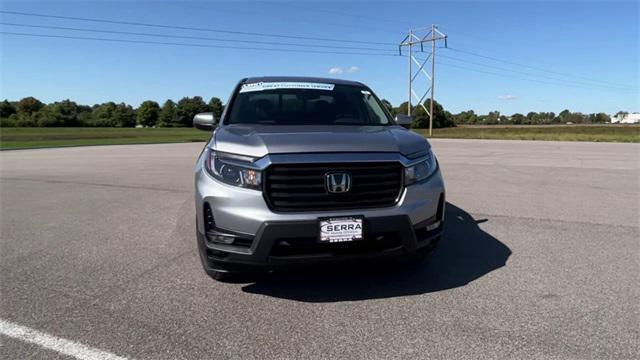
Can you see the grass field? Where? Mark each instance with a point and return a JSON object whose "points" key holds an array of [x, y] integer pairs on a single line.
{"points": [[599, 133], [25, 138]]}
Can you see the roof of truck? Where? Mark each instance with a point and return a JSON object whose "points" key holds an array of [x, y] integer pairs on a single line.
{"points": [[299, 79]]}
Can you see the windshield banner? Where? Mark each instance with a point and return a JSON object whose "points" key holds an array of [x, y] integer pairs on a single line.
{"points": [[263, 86]]}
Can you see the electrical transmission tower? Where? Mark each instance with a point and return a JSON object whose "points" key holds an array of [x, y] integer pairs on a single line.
{"points": [[418, 37]]}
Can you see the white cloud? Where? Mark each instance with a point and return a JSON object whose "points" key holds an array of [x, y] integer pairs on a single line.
{"points": [[338, 70], [507, 97]]}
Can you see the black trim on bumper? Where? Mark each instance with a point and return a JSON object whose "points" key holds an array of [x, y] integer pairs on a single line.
{"points": [[280, 243]]}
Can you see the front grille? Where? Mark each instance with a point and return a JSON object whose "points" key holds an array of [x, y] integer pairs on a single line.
{"points": [[301, 187], [374, 243]]}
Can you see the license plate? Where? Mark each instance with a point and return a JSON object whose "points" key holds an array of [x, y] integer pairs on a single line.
{"points": [[341, 229]]}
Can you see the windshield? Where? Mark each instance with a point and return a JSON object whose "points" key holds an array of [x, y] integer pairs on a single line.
{"points": [[306, 104]]}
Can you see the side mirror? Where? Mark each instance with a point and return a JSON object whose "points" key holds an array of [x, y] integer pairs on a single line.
{"points": [[204, 121], [404, 120]]}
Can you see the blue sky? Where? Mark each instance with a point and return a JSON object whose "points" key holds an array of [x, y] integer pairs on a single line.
{"points": [[594, 42]]}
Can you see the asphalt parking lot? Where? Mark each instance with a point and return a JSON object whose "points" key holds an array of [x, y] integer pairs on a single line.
{"points": [[540, 259]]}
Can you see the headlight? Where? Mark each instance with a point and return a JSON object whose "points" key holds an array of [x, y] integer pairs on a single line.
{"points": [[421, 170], [227, 170]]}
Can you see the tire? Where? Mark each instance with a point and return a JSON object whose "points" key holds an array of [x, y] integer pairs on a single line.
{"points": [[221, 275], [236, 277]]}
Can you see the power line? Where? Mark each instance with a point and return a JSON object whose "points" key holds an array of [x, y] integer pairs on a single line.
{"points": [[274, 43], [529, 66], [524, 65], [107, 21], [193, 45], [531, 74], [192, 37], [286, 44], [478, 38], [282, 16], [370, 18], [590, 87]]}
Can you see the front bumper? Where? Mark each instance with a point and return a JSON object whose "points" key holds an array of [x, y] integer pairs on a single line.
{"points": [[285, 243]]}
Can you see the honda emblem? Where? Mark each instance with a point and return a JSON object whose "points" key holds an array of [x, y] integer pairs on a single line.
{"points": [[338, 182]]}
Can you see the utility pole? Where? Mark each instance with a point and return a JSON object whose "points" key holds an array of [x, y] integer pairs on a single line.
{"points": [[433, 78], [431, 34], [410, 76]]}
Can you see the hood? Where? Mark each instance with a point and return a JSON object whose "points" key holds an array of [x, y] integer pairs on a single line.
{"points": [[260, 140]]}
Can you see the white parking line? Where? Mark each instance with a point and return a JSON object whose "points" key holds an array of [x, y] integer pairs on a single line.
{"points": [[50, 342]]}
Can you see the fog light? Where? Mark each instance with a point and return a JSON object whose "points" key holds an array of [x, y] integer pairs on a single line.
{"points": [[221, 239], [433, 226]]}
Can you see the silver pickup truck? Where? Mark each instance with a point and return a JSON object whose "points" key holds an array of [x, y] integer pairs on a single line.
{"points": [[305, 170]]}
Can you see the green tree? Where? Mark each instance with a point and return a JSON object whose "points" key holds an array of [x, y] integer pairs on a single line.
{"points": [[388, 106], [601, 118], [543, 118], [6, 109], [102, 115], [532, 118], [124, 116], [84, 118], [518, 119], [23, 120], [84, 115], [148, 113], [564, 116], [216, 107], [10, 121], [604, 118], [187, 108], [58, 114], [466, 117], [492, 118], [401, 109], [441, 118], [111, 114], [167, 114], [578, 118], [44, 117], [28, 106]]}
